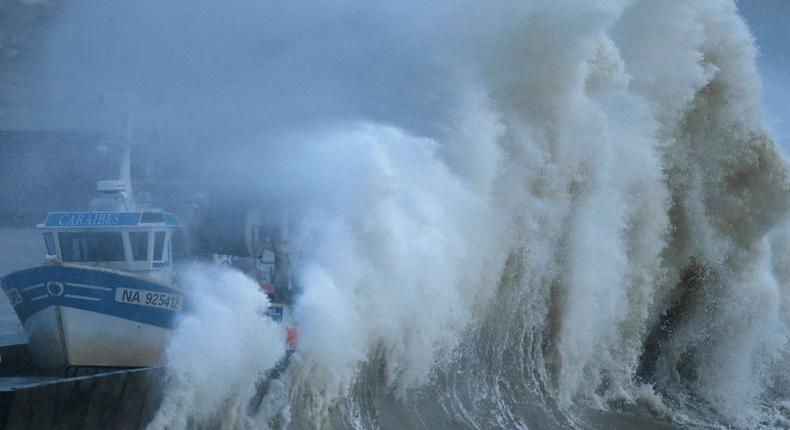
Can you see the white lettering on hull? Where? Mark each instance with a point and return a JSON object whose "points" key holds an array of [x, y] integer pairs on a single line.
{"points": [[149, 298]]}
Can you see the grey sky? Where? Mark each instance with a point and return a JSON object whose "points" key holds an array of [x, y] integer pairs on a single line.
{"points": [[769, 21], [384, 86]]}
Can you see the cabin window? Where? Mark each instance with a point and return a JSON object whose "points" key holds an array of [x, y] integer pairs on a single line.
{"points": [[159, 245], [91, 246], [49, 241], [139, 243]]}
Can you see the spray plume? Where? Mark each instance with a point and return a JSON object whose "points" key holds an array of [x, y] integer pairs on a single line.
{"points": [[508, 214]]}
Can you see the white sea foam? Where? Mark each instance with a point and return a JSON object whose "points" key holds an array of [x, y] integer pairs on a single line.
{"points": [[220, 349]]}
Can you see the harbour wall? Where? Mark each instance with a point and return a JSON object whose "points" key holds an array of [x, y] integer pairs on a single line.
{"points": [[117, 400]]}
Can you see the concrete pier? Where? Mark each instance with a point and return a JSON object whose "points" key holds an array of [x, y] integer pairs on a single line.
{"points": [[117, 400]]}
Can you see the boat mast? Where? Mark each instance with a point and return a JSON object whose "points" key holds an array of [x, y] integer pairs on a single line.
{"points": [[125, 174], [116, 194]]}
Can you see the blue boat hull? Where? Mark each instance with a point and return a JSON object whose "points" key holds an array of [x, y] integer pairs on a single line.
{"points": [[84, 316]]}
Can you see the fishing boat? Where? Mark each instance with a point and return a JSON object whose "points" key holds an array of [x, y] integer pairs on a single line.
{"points": [[105, 294]]}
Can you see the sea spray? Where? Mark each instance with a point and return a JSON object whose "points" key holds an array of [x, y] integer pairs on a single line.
{"points": [[220, 349], [507, 215], [729, 187], [373, 277]]}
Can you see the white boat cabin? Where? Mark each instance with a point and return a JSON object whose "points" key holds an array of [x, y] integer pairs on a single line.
{"points": [[126, 241]]}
